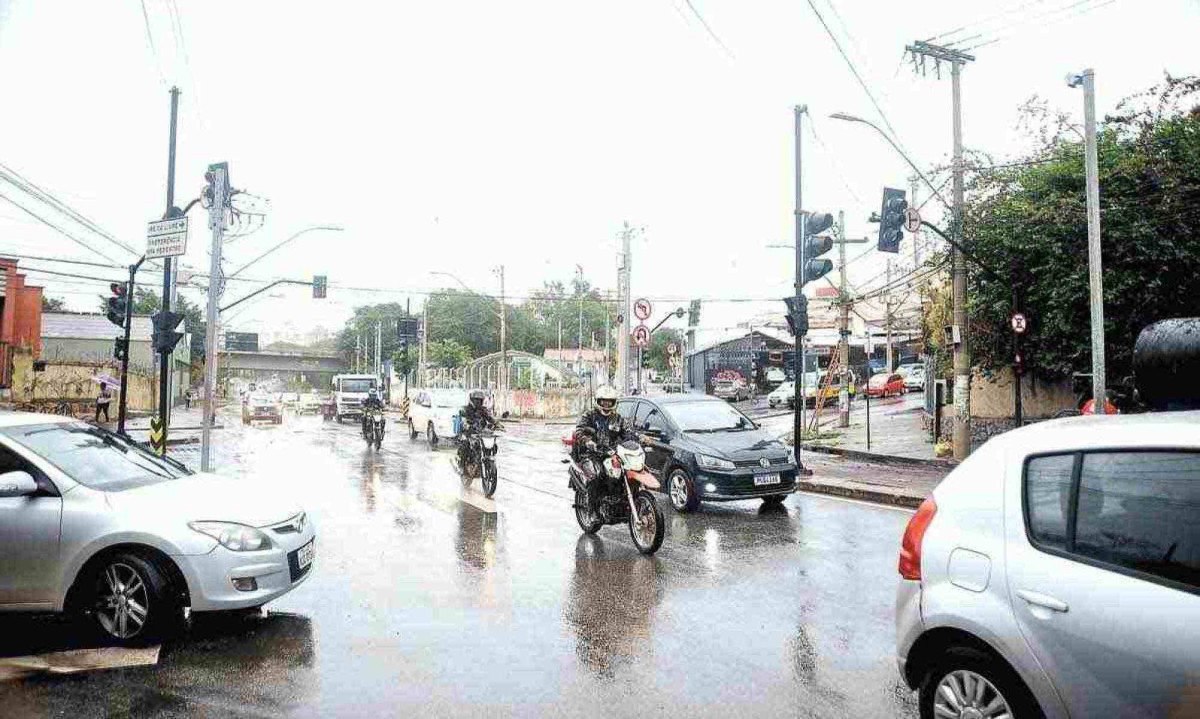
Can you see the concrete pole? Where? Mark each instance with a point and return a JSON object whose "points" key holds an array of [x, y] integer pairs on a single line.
{"points": [[624, 320], [843, 327], [916, 236], [798, 354], [1095, 276], [165, 358], [503, 338], [424, 341], [887, 316], [962, 357], [216, 218]]}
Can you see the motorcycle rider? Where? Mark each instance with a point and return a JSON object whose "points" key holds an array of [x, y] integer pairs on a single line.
{"points": [[475, 416], [373, 401], [600, 427]]}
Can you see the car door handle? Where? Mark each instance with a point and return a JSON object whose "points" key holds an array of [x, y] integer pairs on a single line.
{"points": [[1042, 600]]}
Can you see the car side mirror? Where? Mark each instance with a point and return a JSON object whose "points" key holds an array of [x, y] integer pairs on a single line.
{"points": [[17, 484]]}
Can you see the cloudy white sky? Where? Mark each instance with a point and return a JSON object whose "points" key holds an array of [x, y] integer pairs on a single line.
{"points": [[457, 136]]}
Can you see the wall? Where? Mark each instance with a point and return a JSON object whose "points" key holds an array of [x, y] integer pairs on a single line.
{"points": [[95, 351], [73, 381], [543, 404], [992, 397]]}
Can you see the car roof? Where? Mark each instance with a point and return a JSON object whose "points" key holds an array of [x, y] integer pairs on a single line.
{"points": [[669, 399], [20, 419], [1152, 429]]}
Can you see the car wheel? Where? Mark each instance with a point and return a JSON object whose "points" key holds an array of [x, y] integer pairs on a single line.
{"points": [[682, 491], [412, 431], [431, 433], [131, 601], [966, 682]]}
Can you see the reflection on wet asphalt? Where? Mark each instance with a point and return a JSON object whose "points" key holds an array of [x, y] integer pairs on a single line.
{"points": [[426, 597]]}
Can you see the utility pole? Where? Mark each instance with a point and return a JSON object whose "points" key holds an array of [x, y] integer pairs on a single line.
{"points": [[843, 327], [218, 177], [624, 266], [503, 334], [922, 51], [579, 342], [560, 354], [165, 361], [916, 236], [887, 316], [798, 354], [424, 341], [378, 348], [1087, 79], [408, 321]]}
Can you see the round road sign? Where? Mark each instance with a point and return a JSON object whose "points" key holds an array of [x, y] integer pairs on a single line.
{"points": [[673, 349], [1019, 323], [641, 335], [912, 219], [641, 309]]}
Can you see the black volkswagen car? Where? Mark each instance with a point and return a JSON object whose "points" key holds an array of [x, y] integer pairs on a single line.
{"points": [[703, 449]]}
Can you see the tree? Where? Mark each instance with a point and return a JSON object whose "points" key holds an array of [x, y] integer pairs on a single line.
{"points": [[448, 353], [362, 327], [657, 355], [53, 304], [146, 302], [1028, 221]]}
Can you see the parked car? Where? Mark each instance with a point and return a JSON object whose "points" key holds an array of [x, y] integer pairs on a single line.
{"points": [[261, 406], [914, 377], [1056, 572], [731, 390], [705, 450], [886, 385], [783, 395], [93, 524], [433, 412]]}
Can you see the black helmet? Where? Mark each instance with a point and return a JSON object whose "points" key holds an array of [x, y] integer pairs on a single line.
{"points": [[477, 397]]}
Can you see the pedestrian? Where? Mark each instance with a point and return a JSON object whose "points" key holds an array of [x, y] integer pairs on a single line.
{"points": [[102, 401], [187, 398]]}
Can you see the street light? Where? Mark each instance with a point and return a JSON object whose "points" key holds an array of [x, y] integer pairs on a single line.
{"points": [[854, 118], [466, 287], [314, 228]]}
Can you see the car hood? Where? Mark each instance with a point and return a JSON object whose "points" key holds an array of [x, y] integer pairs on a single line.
{"points": [[737, 445], [207, 496]]}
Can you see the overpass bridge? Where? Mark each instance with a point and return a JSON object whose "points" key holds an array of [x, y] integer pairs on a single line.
{"points": [[315, 368]]}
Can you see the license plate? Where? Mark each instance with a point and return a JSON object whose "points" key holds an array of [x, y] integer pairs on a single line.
{"points": [[761, 479], [305, 555]]}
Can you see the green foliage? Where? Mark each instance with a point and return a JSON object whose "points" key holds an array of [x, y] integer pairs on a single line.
{"points": [[53, 304], [448, 353], [1029, 221], [656, 354], [363, 325]]}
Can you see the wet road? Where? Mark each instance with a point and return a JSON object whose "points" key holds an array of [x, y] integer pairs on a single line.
{"points": [[426, 598]]}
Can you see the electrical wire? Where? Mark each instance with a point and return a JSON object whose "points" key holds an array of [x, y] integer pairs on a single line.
{"points": [[709, 30], [5, 253], [55, 227], [1043, 19], [977, 23], [153, 50]]}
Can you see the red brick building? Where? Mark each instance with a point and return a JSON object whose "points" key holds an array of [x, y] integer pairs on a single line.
{"points": [[20, 316]]}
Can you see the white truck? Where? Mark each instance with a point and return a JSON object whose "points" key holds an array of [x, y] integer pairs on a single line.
{"points": [[349, 392]]}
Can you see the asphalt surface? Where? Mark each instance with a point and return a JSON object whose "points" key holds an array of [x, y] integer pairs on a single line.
{"points": [[426, 598]]}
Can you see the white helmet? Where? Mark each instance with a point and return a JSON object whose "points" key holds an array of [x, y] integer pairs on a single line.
{"points": [[606, 399]]}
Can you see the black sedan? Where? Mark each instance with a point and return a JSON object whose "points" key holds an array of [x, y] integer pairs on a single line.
{"points": [[702, 449]]}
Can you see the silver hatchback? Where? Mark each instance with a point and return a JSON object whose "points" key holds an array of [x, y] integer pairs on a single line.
{"points": [[1056, 572]]}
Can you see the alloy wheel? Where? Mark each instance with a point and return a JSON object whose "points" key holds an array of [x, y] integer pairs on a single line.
{"points": [[965, 694], [679, 492], [123, 601]]}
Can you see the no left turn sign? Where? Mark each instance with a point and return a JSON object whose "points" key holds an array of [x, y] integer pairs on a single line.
{"points": [[641, 309]]}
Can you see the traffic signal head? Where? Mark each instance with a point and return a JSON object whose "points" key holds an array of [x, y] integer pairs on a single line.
{"points": [[117, 304], [816, 267], [797, 314], [319, 285], [694, 313], [165, 336], [891, 220], [120, 349]]}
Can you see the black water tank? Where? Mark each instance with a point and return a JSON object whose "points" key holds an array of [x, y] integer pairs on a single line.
{"points": [[1166, 364]]}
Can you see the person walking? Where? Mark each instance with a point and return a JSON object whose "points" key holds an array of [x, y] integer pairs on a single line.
{"points": [[187, 398], [102, 401]]}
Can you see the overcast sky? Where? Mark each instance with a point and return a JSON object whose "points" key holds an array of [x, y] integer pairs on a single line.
{"points": [[456, 136]]}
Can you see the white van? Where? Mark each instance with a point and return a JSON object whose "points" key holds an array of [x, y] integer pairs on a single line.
{"points": [[349, 391]]}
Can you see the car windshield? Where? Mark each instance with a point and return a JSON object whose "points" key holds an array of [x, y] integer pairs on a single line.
{"points": [[449, 400], [707, 417], [356, 385], [785, 387], [95, 457]]}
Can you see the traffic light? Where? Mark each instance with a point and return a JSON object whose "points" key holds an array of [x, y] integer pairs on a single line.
{"points": [[319, 285], [815, 266], [120, 349], [797, 314], [694, 313], [406, 328], [891, 220], [165, 336], [117, 304]]}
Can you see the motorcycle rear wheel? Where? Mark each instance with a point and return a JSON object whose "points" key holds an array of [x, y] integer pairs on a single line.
{"points": [[488, 477], [588, 521], [647, 528]]}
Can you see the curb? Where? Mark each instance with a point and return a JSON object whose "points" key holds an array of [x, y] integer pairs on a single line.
{"points": [[864, 495], [881, 458]]}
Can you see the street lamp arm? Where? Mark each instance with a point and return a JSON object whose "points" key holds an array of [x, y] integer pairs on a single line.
{"points": [[261, 290], [240, 270], [677, 313], [468, 289], [913, 165]]}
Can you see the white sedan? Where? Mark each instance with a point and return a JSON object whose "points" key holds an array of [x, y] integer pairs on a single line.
{"points": [[91, 523], [432, 412]]}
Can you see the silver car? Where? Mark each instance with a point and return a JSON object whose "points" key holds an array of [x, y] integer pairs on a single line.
{"points": [[91, 523], [1056, 572]]}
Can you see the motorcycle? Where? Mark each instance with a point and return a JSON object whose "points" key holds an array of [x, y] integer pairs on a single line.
{"points": [[373, 424], [479, 460], [631, 502]]}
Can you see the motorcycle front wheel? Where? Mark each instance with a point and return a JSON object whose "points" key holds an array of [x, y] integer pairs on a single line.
{"points": [[488, 478], [646, 524], [588, 521]]}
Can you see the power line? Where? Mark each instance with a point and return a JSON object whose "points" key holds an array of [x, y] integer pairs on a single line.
{"points": [[153, 50], [984, 21], [1039, 17], [63, 261], [55, 227], [709, 30]]}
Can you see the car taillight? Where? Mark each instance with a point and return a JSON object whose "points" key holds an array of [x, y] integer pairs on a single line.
{"points": [[914, 534]]}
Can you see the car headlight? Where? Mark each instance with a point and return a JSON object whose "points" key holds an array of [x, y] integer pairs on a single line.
{"points": [[234, 537], [713, 462]]}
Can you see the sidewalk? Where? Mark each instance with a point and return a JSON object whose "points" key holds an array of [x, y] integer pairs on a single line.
{"points": [[879, 482]]}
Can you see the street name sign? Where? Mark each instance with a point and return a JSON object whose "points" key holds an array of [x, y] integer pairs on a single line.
{"points": [[166, 238]]}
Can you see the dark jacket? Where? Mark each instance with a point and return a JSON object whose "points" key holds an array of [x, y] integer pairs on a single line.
{"points": [[369, 403], [605, 431], [473, 416]]}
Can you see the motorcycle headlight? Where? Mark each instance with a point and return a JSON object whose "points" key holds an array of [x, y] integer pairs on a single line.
{"points": [[234, 537], [713, 462]]}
